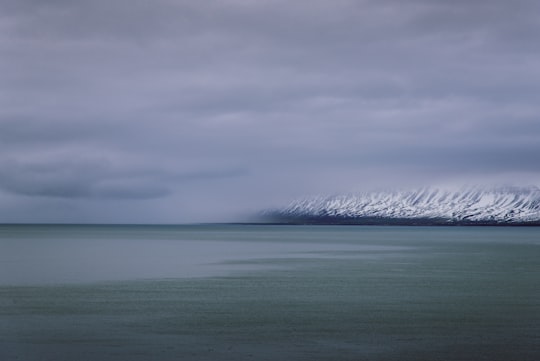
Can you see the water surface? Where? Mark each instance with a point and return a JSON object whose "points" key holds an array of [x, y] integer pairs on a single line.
{"points": [[213, 292]]}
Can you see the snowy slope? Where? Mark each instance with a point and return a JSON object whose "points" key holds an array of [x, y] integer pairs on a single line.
{"points": [[467, 204]]}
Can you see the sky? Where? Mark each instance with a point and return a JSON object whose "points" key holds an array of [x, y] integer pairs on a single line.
{"points": [[173, 111]]}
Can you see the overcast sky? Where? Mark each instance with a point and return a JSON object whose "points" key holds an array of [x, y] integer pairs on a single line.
{"points": [[172, 111]]}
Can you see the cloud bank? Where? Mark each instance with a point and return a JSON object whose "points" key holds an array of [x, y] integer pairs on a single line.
{"points": [[181, 111]]}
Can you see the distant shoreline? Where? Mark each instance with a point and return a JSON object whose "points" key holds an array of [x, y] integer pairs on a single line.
{"points": [[298, 222], [383, 221]]}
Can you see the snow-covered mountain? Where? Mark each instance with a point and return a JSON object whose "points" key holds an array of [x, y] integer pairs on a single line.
{"points": [[493, 205]]}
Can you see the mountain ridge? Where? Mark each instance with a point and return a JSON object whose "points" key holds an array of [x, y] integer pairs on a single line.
{"points": [[467, 205]]}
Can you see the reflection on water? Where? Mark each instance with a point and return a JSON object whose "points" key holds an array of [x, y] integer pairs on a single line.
{"points": [[60, 254]]}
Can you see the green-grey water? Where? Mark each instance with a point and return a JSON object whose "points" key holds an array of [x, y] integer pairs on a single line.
{"points": [[218, 292]]}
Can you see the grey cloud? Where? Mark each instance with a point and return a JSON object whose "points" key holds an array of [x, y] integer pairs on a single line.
{"points": [[44, 185], [231, 105], [94, 178], [23, 131], [71, 179]]}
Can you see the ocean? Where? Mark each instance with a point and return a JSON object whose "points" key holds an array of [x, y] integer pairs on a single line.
{"points": [[255, 292]]}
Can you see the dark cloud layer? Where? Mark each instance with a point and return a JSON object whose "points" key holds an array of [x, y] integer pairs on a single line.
{"points": [[178, 111]]}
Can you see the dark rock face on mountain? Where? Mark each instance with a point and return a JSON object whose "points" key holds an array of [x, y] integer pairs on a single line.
{"points": [[425, 206]]}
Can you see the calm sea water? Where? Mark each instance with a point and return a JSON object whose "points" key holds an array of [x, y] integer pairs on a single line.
{"points": [[226, 292]]}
